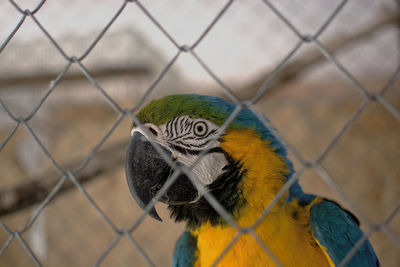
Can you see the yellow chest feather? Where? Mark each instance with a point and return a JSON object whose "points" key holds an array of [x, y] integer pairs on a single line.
{"points": [[290, 242]]}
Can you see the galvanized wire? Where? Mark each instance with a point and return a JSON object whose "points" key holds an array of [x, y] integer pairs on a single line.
{"points": [[304, 39]]}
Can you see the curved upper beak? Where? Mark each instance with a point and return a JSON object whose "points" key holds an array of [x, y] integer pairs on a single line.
{"points": [[146, 171]]}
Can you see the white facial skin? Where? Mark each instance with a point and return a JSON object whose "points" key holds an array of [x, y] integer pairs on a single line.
{"points": [[186, 137]]}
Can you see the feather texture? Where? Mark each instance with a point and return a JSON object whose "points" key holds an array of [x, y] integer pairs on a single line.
{"points": [[337, 232]]}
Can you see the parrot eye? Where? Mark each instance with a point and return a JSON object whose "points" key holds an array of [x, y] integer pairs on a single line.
{"points": [[200, 128]]}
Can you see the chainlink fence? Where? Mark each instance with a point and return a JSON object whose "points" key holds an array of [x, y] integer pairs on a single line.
{"points": [[47, 192]]}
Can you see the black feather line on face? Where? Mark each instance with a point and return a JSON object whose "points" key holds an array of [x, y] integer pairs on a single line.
{"points": [[188, 151], [224, 189]]}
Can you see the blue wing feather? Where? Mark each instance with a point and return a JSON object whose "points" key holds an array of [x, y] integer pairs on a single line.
{"points": [[338, 231], [184, 254]]}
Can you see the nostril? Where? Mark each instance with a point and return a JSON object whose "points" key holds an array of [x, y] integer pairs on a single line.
{"points": [[154, 132]]}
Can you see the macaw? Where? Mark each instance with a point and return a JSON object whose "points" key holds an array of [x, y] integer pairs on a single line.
{"points": [[243, 168]]}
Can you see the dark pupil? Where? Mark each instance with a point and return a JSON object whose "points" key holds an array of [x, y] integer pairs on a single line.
{"points": [[200, 128]]}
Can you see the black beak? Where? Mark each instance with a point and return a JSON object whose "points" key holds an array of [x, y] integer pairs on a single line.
{"points": [[144, 168], [146, 172]]}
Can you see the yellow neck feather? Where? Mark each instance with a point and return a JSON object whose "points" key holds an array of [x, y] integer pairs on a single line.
{"points": [[285, 230], [265, 170]]}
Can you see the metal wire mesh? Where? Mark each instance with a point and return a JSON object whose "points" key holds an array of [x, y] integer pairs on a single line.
{"points": [[303, 39]]}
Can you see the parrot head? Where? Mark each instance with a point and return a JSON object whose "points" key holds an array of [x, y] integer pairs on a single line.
{"points": [[241, 165]]}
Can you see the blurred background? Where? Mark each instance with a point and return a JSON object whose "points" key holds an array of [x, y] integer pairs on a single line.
{"points": [[336, 100]]}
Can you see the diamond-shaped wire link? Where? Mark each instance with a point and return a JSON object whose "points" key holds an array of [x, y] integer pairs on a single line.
{"points": [[51, 39], [155, 82], [103, 31], [92, 202], [45, 202], [53, 85], [303, 38], [127, 233]]}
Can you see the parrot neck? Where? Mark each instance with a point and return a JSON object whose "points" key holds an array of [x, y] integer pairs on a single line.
{"points": [[266, 170]]}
